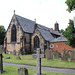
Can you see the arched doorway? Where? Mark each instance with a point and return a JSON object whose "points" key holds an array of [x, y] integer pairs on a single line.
{"points": [[36, 42]]}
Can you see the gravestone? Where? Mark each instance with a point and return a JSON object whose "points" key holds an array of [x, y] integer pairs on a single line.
{"points": [[18, 57], [14, 52], [1, 61], [56, 54], [38, 56], [73, 56], [65, 56], [23, 71], [49, 54]]}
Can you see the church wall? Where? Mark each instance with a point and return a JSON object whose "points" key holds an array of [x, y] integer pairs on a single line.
{"points": [[60, 46], [13, 45], [27, 42], [37, 33]]}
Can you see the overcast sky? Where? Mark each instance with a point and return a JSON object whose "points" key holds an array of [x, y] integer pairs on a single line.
{"points": [[46, 12]]}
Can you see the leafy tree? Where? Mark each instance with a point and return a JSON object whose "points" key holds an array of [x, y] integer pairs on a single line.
{"points": [[71, 5], [69, 33], [62, 31], [2, 34]]}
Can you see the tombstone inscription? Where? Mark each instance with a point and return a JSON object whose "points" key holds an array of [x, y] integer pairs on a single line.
{"points": [[38, 56], [1, 62]]}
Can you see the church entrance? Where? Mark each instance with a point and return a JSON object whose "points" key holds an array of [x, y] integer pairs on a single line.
{"points": [[36, 42]]}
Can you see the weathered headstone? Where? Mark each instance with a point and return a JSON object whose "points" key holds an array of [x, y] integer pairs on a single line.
{"points": [[23, 71], [1, 61], [73, 56], [49, 54], [14, 52], [65, 56], [18, 57], [56, 54], [39, 56], [7, 57]]}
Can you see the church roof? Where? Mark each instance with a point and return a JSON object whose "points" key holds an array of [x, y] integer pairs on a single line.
{"points": [[26, 24], [46, 34], [56, 32], [60, 39]]}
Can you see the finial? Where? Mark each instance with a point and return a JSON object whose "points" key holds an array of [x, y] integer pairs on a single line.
{"points": [[14, 11], [35, 20]]}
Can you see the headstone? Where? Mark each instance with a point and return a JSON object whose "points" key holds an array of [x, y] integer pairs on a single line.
{"points": [[1, 61], [14, 52], [49, 54], [7, 57], [56, 54], [65, 56], [39, 56], [73, 56], [23, 71]]}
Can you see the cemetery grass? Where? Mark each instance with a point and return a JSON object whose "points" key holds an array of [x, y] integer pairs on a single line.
{"points": [[12, 70], [27, 59]]}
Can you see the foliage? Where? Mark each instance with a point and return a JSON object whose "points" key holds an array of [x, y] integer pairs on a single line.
{"points": [[62, 31], [69, 33], [71, 5], [2, 34], [27, 59]]}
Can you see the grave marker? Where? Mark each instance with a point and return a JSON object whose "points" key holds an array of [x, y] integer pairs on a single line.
{"points": [[65, 56], [38, 56], [1, 62], [56, 54], [23, 71], [73, 55], [49, 54]]}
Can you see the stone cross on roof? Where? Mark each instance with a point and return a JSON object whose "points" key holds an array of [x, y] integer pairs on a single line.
{"points": [[39, 56]]}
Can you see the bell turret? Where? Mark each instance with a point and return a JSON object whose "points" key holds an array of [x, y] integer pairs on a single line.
{"points": [[56, 26]]}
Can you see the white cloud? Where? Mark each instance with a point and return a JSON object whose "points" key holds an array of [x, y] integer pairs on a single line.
{"points": [[46, 12]]}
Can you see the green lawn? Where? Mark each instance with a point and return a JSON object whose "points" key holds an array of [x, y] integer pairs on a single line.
{"points": [[27, 59], [11, 70]]}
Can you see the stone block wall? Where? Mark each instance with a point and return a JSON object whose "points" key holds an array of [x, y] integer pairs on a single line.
{"points": [[37, 33]]}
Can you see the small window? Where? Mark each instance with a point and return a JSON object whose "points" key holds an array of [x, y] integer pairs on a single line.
{"points": [[51, 46]]}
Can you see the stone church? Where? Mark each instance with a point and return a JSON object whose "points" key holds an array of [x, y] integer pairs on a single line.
{"points": [[26, 35]]}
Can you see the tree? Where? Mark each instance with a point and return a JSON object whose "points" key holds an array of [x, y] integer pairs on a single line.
{"points": [[69, 33], [71, 5], [2, 34], [62, 31]]}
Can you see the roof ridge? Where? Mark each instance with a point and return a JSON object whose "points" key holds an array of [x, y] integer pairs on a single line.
{"points": [[24, 18]]}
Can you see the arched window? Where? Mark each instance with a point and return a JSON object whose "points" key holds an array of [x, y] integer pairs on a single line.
{"points": [[36, 42], [13, 34]]}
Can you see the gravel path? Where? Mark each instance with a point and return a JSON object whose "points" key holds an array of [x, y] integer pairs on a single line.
{"points": [[43, 68]]}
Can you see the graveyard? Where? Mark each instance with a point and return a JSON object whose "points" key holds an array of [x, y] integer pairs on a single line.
{"points": [[51, 59], [28, 59], [29, 48]]}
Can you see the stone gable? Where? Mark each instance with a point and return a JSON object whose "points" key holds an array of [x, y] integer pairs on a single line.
{"points": [[10, 45], [37, 33]]}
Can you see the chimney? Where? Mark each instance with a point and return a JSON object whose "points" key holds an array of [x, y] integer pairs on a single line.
{"points": [[74, 22], [51, 30]]}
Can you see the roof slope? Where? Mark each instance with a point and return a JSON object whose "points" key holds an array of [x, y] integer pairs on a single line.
{"points": [[46, 34], [26, 24], [60, 39], [56, 32]]}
